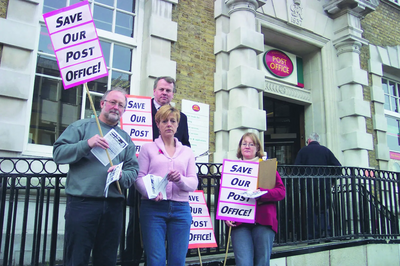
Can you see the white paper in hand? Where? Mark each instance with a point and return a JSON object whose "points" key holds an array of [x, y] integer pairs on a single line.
{"points": [[253, 194], [116, 144], [113, 176], [154, 185]]}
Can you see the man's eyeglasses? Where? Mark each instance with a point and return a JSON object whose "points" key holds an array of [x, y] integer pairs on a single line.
{"points": [[247, 144], [114, 103]]}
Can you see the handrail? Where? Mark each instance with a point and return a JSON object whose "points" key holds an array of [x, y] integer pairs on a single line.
{"points": [[363, 204]]}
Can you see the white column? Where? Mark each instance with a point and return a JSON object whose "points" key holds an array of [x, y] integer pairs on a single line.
{"points": [[237, 106], [158, 34], [220, 80], [353, 110], [19, 35]]}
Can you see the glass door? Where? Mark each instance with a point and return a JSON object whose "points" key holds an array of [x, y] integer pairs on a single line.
{"points": [[284, 130]]}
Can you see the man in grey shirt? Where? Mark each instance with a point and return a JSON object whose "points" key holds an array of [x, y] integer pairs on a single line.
{"points": [[93, 222]]}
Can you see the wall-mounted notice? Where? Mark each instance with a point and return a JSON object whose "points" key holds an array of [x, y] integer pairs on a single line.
{"points": [[237, 176], [201, 231], [198, 115], [136, 121], [76, 44]]}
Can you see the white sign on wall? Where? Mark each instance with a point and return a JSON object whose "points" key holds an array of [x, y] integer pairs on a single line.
{"points": [[198, 115]]}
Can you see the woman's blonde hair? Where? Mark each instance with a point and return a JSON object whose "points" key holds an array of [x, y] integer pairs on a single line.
{"points": [[165, 111], [257, 143]]}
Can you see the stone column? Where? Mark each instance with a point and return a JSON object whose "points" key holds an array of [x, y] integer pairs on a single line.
{"points": [[19, 38], [353, 110], [238, 79], [159, 32]]}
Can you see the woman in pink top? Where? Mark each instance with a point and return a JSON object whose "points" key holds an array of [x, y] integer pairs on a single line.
{"points": [[167, 217], [252, 243]]}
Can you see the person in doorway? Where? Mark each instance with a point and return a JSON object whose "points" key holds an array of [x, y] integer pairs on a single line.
{"points": [[252, 243], [317, 207], [163, 91], [168, 219], [93, 221]]}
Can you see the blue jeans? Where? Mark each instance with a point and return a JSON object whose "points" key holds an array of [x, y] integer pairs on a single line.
{"points": [[92, 225], [252, 244], [165, 220]]}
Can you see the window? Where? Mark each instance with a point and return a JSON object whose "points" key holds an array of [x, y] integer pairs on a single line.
{"points": [[391, 90], [393, 133], [117, 16], [54, 108], [395, 1]]}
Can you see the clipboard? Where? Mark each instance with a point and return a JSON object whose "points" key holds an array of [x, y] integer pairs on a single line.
{"points": [[267, 173]]}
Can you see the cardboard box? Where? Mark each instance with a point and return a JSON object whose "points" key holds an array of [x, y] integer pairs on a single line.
{"points": [[267, 173]]}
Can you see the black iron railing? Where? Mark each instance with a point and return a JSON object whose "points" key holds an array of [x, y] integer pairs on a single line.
{"points": [[355, 203]]}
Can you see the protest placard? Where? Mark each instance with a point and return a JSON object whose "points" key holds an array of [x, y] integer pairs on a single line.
{"points": [[237, 176], [201, 230], [76, 44], [137, 120]]}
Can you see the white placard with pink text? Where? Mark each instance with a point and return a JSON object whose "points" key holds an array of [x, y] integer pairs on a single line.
{"points": [[76, 44], [201, 230], [137, 120], [237, 176]]}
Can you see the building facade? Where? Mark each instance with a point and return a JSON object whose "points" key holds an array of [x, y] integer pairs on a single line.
{"points": [[333, 69]]}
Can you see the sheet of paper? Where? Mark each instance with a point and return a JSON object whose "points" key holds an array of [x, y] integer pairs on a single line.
{"points": [[162, 186], [116, 144], [154, 185], [113, 176], [252, 194]]}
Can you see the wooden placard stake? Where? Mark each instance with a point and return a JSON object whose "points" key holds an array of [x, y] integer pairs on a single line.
{"points": [[99, 127]]}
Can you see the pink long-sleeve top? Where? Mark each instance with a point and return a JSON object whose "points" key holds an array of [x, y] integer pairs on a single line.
{"points": [[266, 213], [154, 159]]}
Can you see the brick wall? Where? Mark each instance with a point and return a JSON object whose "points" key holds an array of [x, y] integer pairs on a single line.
{"points": [[194, 55], [380, 28]]}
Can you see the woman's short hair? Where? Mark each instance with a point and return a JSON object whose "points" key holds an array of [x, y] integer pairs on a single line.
{"points": [[165, 111], [257, 143]]}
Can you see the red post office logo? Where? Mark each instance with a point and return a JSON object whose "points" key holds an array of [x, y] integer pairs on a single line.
{"points": [[195, 108], [278, 63]]}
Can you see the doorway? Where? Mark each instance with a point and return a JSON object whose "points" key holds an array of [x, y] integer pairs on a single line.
{"points": [[285, 128]]}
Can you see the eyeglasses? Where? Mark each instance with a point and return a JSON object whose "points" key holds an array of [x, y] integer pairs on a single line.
{"points": [[114, 103], [248, 144]]}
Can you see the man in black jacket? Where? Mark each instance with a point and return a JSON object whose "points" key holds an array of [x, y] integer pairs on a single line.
{"points": [[318, 207], [163, 91]]}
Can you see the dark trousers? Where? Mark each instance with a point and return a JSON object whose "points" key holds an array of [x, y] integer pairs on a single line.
{"points": [[318, 206], [92, 225], [134, 251]]}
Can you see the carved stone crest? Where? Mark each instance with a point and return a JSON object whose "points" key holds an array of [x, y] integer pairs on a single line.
{"points": [[295, 13]]}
